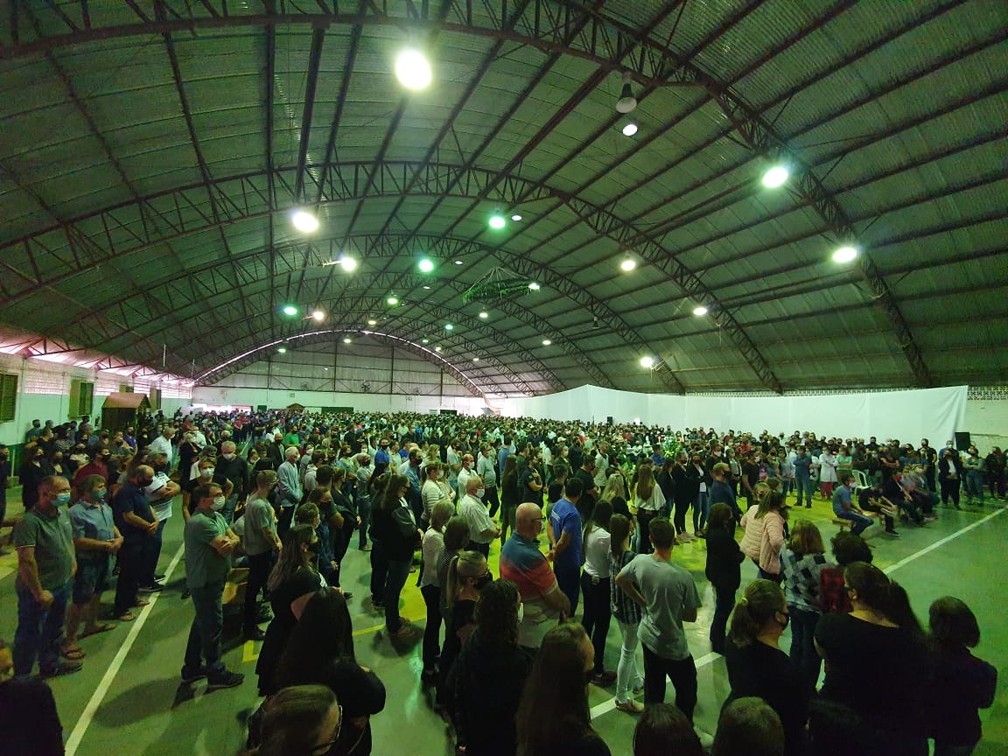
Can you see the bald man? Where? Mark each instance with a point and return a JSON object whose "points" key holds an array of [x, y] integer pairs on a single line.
{"points": [[522, 562]]}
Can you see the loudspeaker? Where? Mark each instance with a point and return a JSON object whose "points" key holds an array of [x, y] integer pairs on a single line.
{"points": [[609, 419], [962, 441]]}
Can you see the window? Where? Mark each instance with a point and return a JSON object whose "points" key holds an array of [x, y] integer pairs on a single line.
{"points": [[81, 398], [8, 396]]}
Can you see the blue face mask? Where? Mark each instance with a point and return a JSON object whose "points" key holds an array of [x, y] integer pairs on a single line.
{"points": [[62, 499]]}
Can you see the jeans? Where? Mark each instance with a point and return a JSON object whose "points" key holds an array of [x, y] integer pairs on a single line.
{"points": [[803, 484], [259, 570], [803, 652], [432, 631], [701, 509], [364, 511], [39, 631], [724, 602], [787, 484], [130, 565], [974, 485], [682, 673], [151, 555], [507, 521], [860, 522], [597, 615], [229, 508], [379, 571], [568, 580], [205, 633], [398, 571], [628, 674]]}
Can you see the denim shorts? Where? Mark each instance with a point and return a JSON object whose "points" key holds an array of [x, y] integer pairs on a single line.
{"points": [[91, 580]]}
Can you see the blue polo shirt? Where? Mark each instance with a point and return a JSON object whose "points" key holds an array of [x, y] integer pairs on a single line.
{"points": [[130, 498], [841, 499], [90, 521], [565, 518]]}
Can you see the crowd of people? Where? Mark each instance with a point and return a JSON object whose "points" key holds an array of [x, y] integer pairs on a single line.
{"points": [[586, 516]]}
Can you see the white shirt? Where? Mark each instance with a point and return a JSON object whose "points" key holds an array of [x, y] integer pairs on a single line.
{"points": [[596, 551], [463, 477], [474, 512], [161, 445]]}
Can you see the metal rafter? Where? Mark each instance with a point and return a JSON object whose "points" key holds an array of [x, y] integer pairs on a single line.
{"points": [[304, 340], [257, 296], [491, 382]]}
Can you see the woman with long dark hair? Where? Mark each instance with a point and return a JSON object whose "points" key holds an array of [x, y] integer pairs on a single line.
{"points": [[757, 666], [490, 673], [320, 651], [553, 716], [291, 583], [595, 586], [392, 555], [722, 569], [884, 694]]}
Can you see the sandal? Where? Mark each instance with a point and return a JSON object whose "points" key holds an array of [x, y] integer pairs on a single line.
{"points": [[142, 602], [102, 628], [128, 617], [72, 654]]}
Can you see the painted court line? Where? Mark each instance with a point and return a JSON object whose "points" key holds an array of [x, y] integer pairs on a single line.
{"points": [[607, 706], [106, 682], [941, 542]]}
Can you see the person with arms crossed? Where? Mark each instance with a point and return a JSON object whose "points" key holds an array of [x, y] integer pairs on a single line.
{"points": [[46, 568], [209, 543], [522, 563]]}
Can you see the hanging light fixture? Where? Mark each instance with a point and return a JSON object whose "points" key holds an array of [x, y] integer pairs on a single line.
{"points": [[627, 102]]}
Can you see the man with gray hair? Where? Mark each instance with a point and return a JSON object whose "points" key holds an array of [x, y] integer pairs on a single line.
{"points": [[472, 509], [231, 473], [288, 489]]}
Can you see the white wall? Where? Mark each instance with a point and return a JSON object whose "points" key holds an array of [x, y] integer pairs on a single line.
{"points": [[907, 415], [371, 402], [987, 423], [44, 393]]}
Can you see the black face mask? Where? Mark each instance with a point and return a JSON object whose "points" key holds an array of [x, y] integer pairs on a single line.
{"points": [[313, 548]]}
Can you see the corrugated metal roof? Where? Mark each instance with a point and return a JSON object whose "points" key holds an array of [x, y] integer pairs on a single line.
{"points": [[153, 208]]}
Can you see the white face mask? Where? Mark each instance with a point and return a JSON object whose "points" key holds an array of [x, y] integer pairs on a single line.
{"points": [[207, 472], [521, 612], [480, 493], [229, 456], [218, 504]]}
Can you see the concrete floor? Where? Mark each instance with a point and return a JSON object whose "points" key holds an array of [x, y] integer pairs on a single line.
{"points": [[128, 698]]}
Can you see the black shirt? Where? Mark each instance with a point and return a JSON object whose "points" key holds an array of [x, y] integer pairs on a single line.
{"points": [[897, 672], [723, 559], [767, 673]]}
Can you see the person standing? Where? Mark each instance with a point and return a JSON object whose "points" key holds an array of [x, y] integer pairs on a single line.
{"points": [[486, 469], [802, 563], [5, 471], [96, 539], [288, 489], [261, 544], [668, 596], [481, 528], [628, 616], [209, 543], [136, 522], [595, 586], [232, 473], [46, 568], [722, 569], [565, 534], [950, 473], [522, 563], [803, 476]]}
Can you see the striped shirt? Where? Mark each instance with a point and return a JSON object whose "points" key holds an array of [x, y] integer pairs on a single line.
{"points": [[624, 608]]}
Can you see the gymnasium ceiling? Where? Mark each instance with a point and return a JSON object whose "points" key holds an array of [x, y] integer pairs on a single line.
{"points": [[151, 155]]}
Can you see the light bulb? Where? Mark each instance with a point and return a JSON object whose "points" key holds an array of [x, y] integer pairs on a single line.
{"points": [[305, 222], [425, 265], [776, 176], [845, 254], [413, 69], [348, 263], [630, 129], [647, 362], [700, 311], [628, 264]]}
